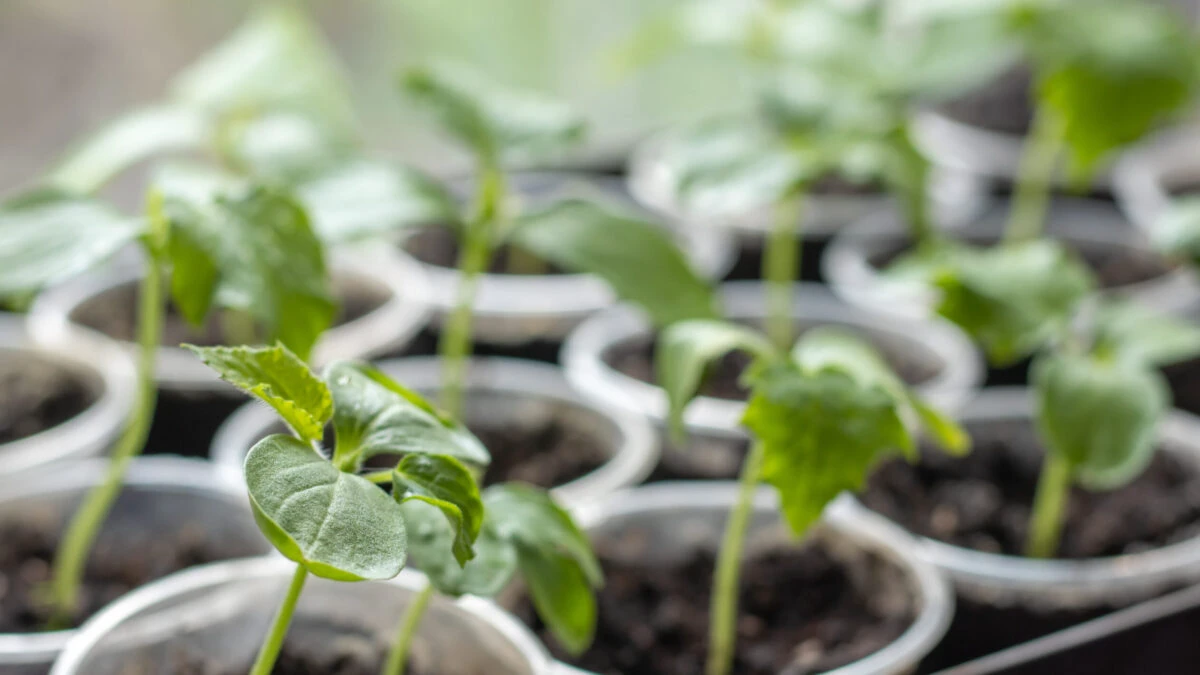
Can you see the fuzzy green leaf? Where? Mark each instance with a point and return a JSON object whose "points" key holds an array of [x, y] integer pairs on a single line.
{"points": [[280, 379], [337, 525], [685, 351], [47, 236], [821, 434], [1100, 416], [1131, 331], [374, 415], [492, 121], [443, 482], [638, 259]]}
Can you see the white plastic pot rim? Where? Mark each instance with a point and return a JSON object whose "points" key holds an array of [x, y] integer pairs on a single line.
{"points": [[1143, 178]]}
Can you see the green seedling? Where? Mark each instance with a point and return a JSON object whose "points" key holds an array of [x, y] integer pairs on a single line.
{"points": [[337, 518]]}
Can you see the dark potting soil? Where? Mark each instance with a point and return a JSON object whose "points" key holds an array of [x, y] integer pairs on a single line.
{"points": [[349, 654], [36, 395], [1004, 105], [114, 313], [185, 423], [439, 246], [635, 358], [546, 351], [117, 565], [801, 611]]}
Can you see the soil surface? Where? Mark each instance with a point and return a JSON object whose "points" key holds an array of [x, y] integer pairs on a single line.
{"points": [[983, 501], [1004, 105], [117, 565], [350, 654], [426, 344], [1184, 378], [114, 313], [439, 246], [635, 358], [36, 395], [185, 423], [801, 611]]}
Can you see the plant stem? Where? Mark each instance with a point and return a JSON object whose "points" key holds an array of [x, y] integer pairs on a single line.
{"points": [[1048, 505], [71, 557], [268, 654], [1039, 159], [910, 184], [397, 659], [455, 345], [724, 609], [781, 266]]}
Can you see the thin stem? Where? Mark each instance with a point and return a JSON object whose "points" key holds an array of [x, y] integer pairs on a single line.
{"points": [[1038, 162], [268, 654], [455, 344], [911, 187], [724, 610], [397, 659], [1048, 506], [71, 557], [781, 266]]}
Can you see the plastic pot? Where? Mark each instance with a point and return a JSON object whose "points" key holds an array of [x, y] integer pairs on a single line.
{"points": [[1022, 591], [498, 391], [714, 424], [106, 372], [1081, 223], [516, 309], [1145, 178], [222, 612], [680, 518], [161, 495]]}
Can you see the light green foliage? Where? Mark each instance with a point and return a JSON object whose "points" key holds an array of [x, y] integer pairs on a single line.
{"points": [[1129, 331], [1177, 233], [638, 259], [1099, 415], [444, 483], [284, 147], [280, 379]]}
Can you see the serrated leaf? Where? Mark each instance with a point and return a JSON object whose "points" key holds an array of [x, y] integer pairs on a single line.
{"points": [[1133, 332], [48, 236], [1100, 416], [364, 199], [491, 120], [276, 376], [639, 260], [820, 435], [337, 525], [374, 415], [443, 482], [686, 349]]}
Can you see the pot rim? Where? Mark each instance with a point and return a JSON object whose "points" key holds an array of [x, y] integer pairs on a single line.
{"points": [[91, 430], [931, 588], [1141, 178], [393, 323], [269, 567], [181, 475], [1086, 581], [852, 277], [583, 355], [633, 460]]}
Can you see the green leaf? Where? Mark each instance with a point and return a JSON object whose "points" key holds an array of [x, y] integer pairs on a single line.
{"points": [[337, 525], [280, 379], [194, 274], [130, 139], [374, 415], [1100, 416], [638, 259], [821, 434], [284, 146], [1177, 233], [1012, 297], [443, 482], [364, 199], [686, 349], [1131, 331], [47, 236], [430, 543], [492, 121], [562, 595]]}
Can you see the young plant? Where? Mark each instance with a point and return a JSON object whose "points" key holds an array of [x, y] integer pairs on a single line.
{"points": [[335, 518]]}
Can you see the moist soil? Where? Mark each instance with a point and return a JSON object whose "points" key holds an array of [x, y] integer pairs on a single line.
{"points": [[1004, 105], [1184, 379], [439, 246], [801, 611], [350, 652], [546, 351], [983, 501], [117, 565], [36, 395], [185, 422]]}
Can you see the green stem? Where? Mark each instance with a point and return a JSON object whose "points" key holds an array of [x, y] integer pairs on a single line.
{"points": [[1038, 162], [71, 557], [781, 266], [1048, 506], [724, 609], [268, 654], [455, 345], [397, 659]]}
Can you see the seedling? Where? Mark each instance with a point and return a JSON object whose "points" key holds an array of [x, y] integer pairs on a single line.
{"points": [[336, 519]]}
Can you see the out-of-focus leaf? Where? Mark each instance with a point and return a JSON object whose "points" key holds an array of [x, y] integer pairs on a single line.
{"points": [[1131, 331], [443, 482]]}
